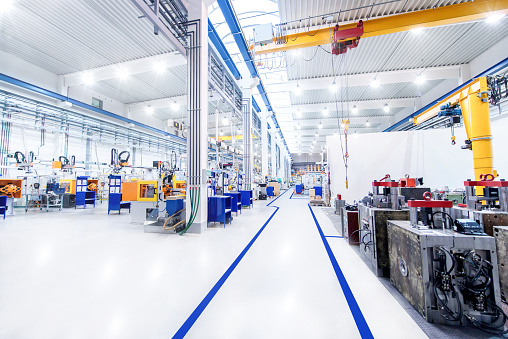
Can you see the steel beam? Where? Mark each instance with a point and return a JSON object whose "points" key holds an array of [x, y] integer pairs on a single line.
{"points": [[159, 25], [446, 15]]}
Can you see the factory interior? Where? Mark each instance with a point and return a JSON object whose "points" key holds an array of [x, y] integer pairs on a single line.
{"points": [[234, 169]]}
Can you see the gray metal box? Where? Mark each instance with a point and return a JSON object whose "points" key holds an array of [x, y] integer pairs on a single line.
{"points": [[374, 238], [413, 254], [501, 236]]}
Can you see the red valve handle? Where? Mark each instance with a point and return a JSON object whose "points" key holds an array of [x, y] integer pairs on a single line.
{"points": [[427, 196], [385, 177]]}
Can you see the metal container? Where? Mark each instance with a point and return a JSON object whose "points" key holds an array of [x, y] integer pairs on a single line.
{"points": [[416, 259], [501, 236], [350, 227], [373, 236]]}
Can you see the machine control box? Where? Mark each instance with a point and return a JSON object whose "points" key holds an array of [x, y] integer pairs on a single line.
{"points": [[468, 226]]}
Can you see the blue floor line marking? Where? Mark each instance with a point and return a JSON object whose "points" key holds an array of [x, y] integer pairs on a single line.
{"points": [[280, 195], [291, 197], [360, 321], [187, 325], [333, 236]]}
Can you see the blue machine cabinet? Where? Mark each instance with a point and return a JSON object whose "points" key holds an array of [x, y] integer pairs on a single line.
{"points": [[318, 190], [84, 197], [269, 191], [219, 209], [115, 202], [247, 199], [3, 205], [299, 189], [236, 201]]}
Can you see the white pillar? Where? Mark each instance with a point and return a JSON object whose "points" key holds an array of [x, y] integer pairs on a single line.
{"points": [[264, 145], [274, 161], [248, 151], [197, 116]]}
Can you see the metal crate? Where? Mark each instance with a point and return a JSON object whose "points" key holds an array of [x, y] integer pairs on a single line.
{"points": [[501, 236], [415, 255], [374, 238]]}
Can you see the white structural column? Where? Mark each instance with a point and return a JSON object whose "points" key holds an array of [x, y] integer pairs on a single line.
{"points": [[248, 156], [264, 145], [274, 161], [197, 116]]}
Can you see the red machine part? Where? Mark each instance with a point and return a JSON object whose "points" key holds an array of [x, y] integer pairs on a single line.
{"points": [[488, 183], [339, 46], [428, 202], [385, 183], [407, 182]]}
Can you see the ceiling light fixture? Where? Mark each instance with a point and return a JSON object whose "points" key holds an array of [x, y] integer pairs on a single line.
{"points": [[87, 78], [149, 109], [298, 113], [325, 111], [221, 133], [320, 125], [420, 79], [354, 109], [175, 106], [225, 120], [122, 73], [417, 30], [386, 108], [298, 126], [297, 90], [367, 123], [494, 18], [5, 6], [334, 87], [374, 83], [159, 67]]}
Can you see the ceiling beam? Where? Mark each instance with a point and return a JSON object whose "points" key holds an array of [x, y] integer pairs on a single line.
{"points": [[131, 67], [354, 80], [181, 100], [366, 104], [446, 15]]}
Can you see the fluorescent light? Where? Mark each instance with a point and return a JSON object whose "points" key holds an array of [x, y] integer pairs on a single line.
{"points": [[494, 18], [386, 108], [417, 30], [175, 106], [159, 67], [354, 109], [297, 90], [87, 78], [374, 83], [334, 87], [122, 73], [325, 111], [420, 79], [149, 110], [5, 6]]}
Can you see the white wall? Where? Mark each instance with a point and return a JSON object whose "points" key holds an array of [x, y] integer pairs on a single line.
{"points": [[428, 154]]}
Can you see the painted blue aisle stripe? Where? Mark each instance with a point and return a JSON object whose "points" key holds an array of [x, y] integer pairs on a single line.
{"points": [[360, 321], [280, 195], [333, 236], [187, 325]]}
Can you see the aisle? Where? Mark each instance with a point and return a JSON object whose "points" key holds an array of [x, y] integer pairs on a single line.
{"points": [[286, 287]]}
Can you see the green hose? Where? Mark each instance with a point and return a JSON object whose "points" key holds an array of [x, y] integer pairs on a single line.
{"points": [[195, 199]]}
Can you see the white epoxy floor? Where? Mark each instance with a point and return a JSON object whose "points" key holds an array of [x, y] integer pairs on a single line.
{"points": [[84, 274]]}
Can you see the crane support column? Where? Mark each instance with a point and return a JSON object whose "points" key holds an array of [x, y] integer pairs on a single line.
{"points": [[475, 112]]}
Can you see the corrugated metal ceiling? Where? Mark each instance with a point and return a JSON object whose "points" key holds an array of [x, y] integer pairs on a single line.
{"points": [[78, 34]]}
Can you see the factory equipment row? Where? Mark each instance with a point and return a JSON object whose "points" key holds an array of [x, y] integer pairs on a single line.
{"points": [[446, 252], [155, 196]]}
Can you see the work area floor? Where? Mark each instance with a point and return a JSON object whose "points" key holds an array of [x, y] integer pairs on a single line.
{"points": [[275, 272]]}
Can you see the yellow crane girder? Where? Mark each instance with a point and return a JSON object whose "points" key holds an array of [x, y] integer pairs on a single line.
{"points": [[446, 15]]}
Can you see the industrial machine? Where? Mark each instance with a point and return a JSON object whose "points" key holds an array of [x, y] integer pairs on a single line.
{"points": [[64, 163], [346, 38], [171, 220], [119, 160], [501, 236], [449, 278]]}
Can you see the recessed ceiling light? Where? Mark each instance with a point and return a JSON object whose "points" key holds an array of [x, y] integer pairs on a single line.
{"points": [[420, 79], [325, 111], [417, 30], [122, 73], [297, 90], [494, 18], [320, 125], [354, 109], [374, 83], [386, 108], [87, 78], [149, 109], [5, 6], [334, 87], [175, 106], [367, 123], [298, 113], [159, 67], [225, 120]]}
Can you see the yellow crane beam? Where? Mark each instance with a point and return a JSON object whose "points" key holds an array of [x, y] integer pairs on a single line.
{"points": [[447, 15]]}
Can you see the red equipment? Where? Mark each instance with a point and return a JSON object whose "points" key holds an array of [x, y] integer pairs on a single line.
{"points": [[340, 45]]}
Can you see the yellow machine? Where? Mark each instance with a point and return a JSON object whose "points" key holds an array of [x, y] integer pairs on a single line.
{"points": [[11, 188], [474, 106], [148, 190]]}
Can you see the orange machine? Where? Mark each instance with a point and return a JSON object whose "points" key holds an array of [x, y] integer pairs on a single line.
{"points": [[130, 191], [93, 185], [11, 188]]}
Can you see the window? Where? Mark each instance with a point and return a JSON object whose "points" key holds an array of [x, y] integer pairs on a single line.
{"points": [[97, 103]]}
